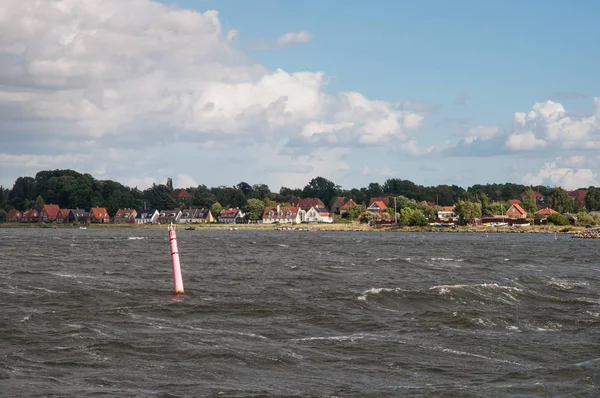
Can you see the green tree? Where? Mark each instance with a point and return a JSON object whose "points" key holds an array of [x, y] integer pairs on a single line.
{"points": [[592, 199], [468, 211], [558, 219], [216, 209], [368, 216], [484, 199], [39, 203], [354, 212], [260, 191], [561, 202], [321, 188], [412, 217], [528, 200], [2, 216], [255, 209]]}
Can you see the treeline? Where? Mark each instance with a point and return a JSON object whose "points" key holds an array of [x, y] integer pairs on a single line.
{"points": [[70, 189]]}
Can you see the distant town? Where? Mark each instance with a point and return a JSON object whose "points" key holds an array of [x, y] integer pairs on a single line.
{"points": [[66, 196]]}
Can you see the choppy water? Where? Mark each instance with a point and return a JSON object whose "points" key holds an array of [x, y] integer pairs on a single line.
{"points": [[290, 313]]}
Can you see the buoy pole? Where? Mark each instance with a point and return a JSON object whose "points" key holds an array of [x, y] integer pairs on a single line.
{"points": [[177, 279]]}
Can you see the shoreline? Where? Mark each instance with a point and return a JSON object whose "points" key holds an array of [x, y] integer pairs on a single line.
{"points": [[336, 227]]}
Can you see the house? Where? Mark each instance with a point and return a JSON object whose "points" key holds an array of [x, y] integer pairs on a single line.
{"points": [[347, 206], [77, 215], [14, 216], [231, 216], [377, 206], [514, 202], [578, 196], [516, 211], [384, 199], [125, 216], [146, 216], [99, 215], [63, 216], [307, 203], [539, 198], [49, 213], [195, 216], [542, 215], [337, 204], [318, 214], [283, 215], [181, 197], [30, 215], [447, 213], [169, 216]]}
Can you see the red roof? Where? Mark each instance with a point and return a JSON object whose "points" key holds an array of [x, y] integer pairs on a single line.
{"points": [[14, 215], [348, 205], [379, 204], [515, 202], [99, 213], [181, 194], [51, 211], [384, 199], [294, 210], [448, 208], [518, 209], [578, 195], [229, 213], [546, 212], [307, 203], [64, 213]]}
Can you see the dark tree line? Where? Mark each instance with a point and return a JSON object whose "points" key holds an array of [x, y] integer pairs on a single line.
{"points": [[70, 189]]}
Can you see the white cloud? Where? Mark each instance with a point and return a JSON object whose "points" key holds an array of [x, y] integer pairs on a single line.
{"points": [[86, 76], [294, 38], [524, 141], [480, 132], [549, 121], [568, 178], [185, 181]]}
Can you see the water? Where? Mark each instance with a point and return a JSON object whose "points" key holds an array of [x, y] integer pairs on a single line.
{"points": [[293, 313]]}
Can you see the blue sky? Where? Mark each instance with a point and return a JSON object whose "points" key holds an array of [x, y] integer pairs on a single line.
{"points": [[460, 65]]}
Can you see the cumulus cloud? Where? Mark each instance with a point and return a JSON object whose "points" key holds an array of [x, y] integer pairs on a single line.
{"points": [[93, 76], [294, 38], [553, 174], [479, 132], [524, 141]]}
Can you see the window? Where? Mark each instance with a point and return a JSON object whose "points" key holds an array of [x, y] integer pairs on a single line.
{"points": [[271, 214], [289, 214], [280, 213]]}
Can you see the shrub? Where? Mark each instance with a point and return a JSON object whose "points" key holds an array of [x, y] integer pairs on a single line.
{"points": [[558, 219]]}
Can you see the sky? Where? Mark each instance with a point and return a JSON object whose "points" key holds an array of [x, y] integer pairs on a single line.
{"points": [[279, 92]]}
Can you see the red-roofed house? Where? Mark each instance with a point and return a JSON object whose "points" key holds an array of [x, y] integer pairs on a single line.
{"points": [[546, 212], [125, 216], [447, 213], [337, 204], [578, 196], [99, 215], [348, 205], [231, 216], [516, 211], [30, 215], [14, 216], [377, 206], [181, 194], [283, 215], [318, 214], [385, 200], [307, 203], [63, 216], [49, 213], [515, 202]]}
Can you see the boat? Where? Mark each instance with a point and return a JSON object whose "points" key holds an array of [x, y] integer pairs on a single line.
{"points": [[82, 227], [522, 225], [190, 228]]}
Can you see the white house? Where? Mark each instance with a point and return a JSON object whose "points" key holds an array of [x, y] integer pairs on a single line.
{"points": [[231, 216], [146, 216], [447, 213], [283, 215], [318, 214]]}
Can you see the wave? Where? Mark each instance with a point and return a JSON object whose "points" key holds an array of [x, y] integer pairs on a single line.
{"points": [[135, 237]]}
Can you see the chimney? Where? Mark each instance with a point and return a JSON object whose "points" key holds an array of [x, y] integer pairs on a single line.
{"points": [[277, 208]]}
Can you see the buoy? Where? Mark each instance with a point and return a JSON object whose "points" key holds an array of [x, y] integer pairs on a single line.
{"points": [[177, 279]]}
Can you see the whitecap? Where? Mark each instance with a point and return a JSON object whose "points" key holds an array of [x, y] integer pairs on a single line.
{"points": [[135, 238]]}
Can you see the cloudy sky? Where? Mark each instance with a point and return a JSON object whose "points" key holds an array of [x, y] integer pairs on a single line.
{"points": [[278, 92]]}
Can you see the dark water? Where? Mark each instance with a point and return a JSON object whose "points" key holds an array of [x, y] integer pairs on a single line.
{"points": [[290, 313]]}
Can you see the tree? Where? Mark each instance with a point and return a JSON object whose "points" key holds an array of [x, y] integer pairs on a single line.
{"points": [[321, 188], [255, 209], [592, 199], [468, 211], [558, 219], [2, 216], [561, 202], [245, 188], [485, 203], [412, 217], [368, 217], [260, 191], [216, 209], [529, 203], [170, 184], [354, 212], [39, 203]]}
